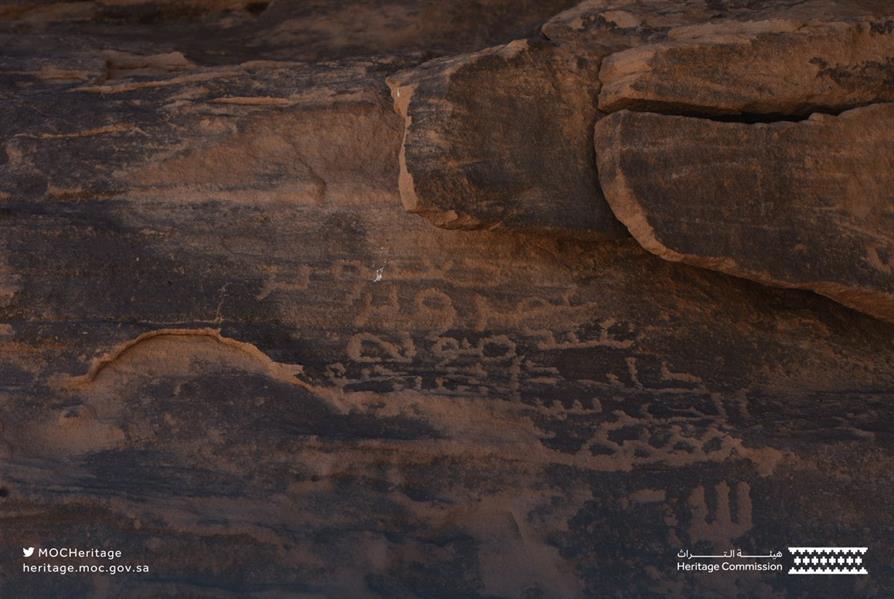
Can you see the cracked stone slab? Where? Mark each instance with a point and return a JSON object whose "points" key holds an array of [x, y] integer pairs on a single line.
{"points": [[805, 205], [501, 138], [493, 138], [781, 66]]}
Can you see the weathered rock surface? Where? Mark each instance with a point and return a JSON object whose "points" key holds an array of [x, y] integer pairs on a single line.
{"points": [[501, 139], [493, 138], [427, 28], [219, 31], [807, 204], [228, 351], [496, 139], [784, 67]]}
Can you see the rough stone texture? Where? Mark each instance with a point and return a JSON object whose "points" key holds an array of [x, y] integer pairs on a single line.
{"points": [[222, 31], [493, 138], [783, 67], [227, 350], [428, 28], [501, 139], [807, 204], [496, 139]]}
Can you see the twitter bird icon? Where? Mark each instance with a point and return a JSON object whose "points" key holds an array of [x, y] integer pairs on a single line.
{"points": [[28, 551]]}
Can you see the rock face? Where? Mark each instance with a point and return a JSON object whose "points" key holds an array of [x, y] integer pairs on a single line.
{"points": [[500, 139], [425, 28], [783, 67], [228, 351], [493, 138], [496, 139], [807, 204]]}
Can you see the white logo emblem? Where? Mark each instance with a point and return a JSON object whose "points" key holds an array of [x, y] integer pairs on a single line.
{"points": [[828, 560], [27, 551]]}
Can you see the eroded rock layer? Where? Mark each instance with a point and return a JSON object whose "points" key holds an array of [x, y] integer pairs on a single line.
{"points": [[807, 204], [783, 67], [496, 139], [493, 138]]}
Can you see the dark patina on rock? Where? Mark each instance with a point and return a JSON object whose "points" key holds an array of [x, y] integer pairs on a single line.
{"points": [[793, 204], [781, 66]]}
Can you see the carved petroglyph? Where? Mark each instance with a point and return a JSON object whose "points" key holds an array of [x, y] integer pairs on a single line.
{"points": [[372, 349], [431, 309], [730, 518], [504, 363], [495, 348], [282, 280], [573, 339], [645, 374], [678, 441]]}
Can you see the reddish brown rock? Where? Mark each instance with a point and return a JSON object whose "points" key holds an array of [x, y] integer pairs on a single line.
{"points": [[425, 28], [496, 139], [493, 138], [805, 204], [500, 139], [785, 67], [227, 350]]}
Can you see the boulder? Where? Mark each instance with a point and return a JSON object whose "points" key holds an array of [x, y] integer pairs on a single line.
{"points": [[496, 138], [806, 204], [501, 139], [493, 138]]}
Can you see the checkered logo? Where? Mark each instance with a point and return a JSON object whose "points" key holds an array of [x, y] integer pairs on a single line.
{"points": [[828, 560]]}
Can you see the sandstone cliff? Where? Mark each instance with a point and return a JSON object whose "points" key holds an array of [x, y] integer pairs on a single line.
{"points": [[428, 299]]}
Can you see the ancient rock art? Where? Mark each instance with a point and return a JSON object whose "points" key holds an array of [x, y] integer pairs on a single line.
{"points": [[227, 350], [730, 518]]}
